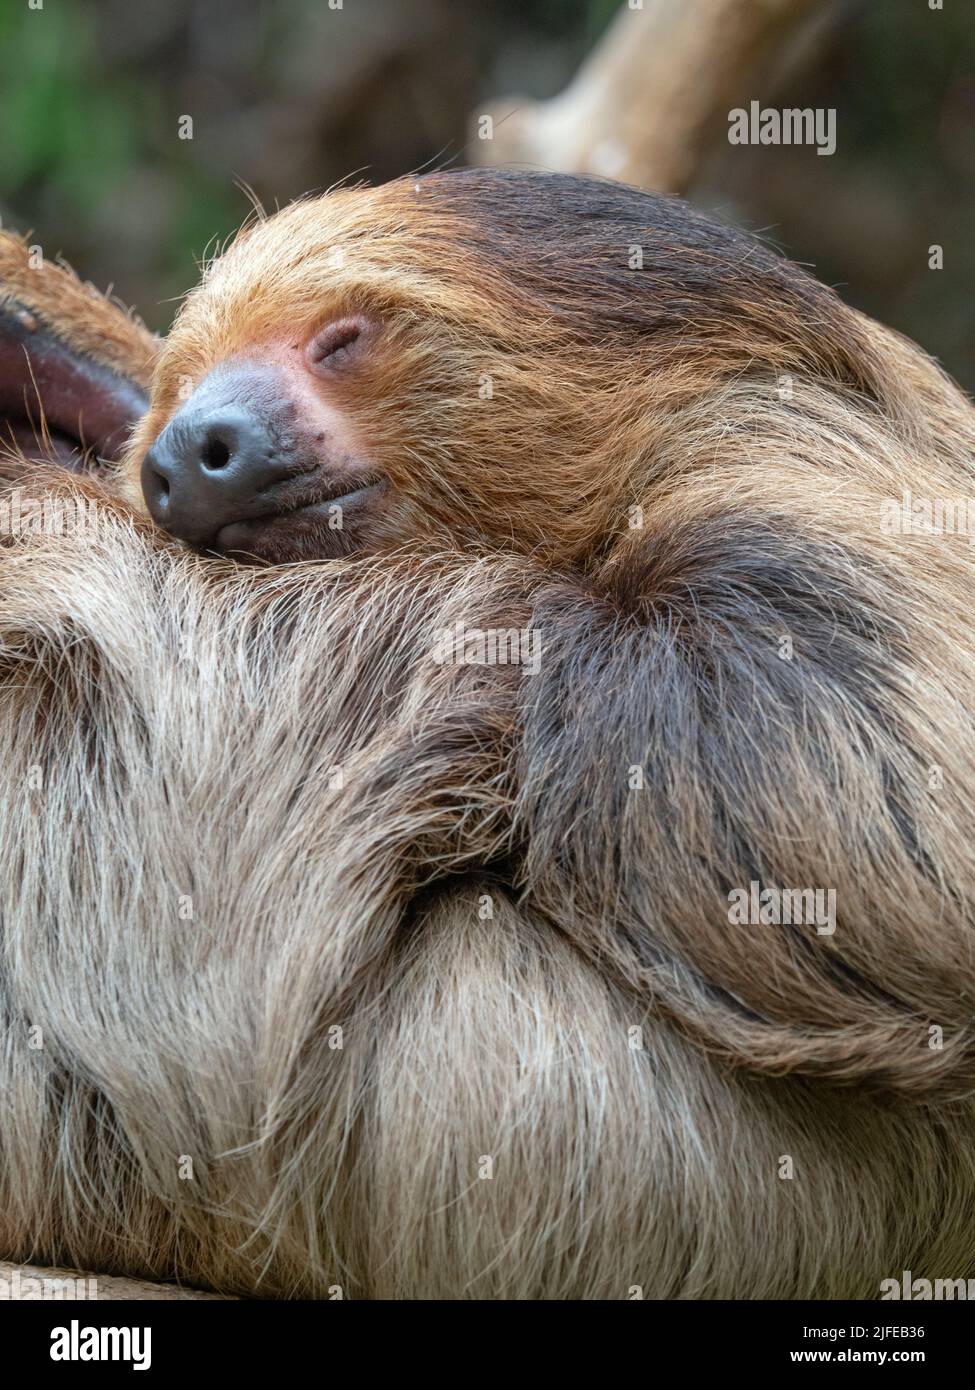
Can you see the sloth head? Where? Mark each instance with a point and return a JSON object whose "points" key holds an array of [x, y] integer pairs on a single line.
{"points": [[482, 356]]}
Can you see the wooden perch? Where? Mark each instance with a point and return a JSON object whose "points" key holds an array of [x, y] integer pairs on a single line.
{"points": [[32, 1282], [643, 104]]}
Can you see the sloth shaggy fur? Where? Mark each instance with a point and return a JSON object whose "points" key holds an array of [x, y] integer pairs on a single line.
{"points": [[352, 930]]}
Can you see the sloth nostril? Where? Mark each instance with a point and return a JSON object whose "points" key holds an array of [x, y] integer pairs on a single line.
{"points": [[215, 455], [208, 471]]}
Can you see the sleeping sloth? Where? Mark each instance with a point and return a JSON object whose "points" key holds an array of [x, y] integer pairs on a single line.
{"points": [[488, 403], [751, 689]]}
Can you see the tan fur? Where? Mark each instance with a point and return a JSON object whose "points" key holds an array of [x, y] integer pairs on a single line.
{"points": [[185, 716], [760, 425], [531, 962], [85, 319]]}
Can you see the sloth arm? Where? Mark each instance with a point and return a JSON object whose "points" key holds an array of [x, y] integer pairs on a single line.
{"points": [[733, 701]]}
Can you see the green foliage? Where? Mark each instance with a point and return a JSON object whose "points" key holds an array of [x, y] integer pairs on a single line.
{"points": [[59, 123]]}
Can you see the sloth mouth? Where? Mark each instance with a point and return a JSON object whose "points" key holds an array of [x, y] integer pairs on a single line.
{"points": [[325, 527]]}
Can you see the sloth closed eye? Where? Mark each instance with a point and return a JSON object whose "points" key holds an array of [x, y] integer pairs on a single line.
{"points": [[335, 344]]}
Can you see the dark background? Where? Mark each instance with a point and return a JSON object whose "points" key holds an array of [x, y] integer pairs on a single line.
{"points": [[290, 96]]}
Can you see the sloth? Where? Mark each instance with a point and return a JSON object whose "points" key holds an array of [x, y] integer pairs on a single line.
{"points": [[755, 689], [74, 368], [332, 966]]}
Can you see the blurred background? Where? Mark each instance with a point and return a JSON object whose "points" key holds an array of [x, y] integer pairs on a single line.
{"points": [[293, 95]]}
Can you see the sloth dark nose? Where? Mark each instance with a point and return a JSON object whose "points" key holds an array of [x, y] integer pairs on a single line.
{"points": [[208, 470]]}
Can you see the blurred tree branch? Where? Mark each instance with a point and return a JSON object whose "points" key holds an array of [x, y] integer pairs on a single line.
{"points": [[643, 104]]}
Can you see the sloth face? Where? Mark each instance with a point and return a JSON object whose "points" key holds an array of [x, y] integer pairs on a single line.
{"points": [[470, 358], [328, 389], [265, 459]]}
